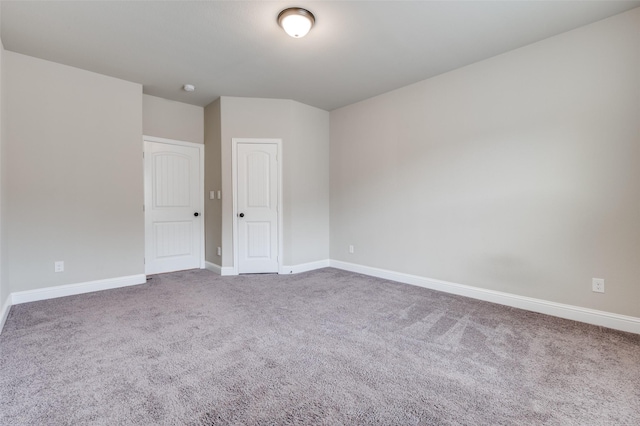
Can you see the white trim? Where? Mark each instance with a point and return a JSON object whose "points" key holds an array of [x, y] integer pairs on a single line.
{"points": [[234, 206], [202, 212], [172, 141], [213, 267], [4, 314], [304, 267], [234, 190], [226, 271], [200, 148], [576, 313], [78, 288]]}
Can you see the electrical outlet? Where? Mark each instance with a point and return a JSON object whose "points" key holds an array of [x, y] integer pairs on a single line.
{"points": [[219, 251], [58, 266], [351, 249], [597, 284]]}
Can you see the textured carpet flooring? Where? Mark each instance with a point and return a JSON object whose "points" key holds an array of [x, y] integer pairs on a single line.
{"points": [[324, 347]]}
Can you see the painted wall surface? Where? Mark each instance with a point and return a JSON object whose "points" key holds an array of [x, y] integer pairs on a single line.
{"points": [[212, 182], [305, 152], [520, 173], [74, 174], [306, 171], [172, 120], [4, 282]]}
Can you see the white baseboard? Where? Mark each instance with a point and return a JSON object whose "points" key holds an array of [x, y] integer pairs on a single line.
{"points": [[576, 313], [227, 270], [304, 267], [72, 289], [213, 267], [4, 313]]}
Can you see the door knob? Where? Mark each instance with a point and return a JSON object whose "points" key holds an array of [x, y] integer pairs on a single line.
{"points": [[241, 215], [196, 214]]}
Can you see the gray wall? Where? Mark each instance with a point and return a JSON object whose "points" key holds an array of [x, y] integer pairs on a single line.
{"points": [[4, 282], [74, 182], [172, 120], [520, 173], [304, 132], [306, 186], [213, 182]]}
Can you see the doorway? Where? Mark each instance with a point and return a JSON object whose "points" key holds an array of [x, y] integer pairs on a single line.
{"points": [[173, 205]]}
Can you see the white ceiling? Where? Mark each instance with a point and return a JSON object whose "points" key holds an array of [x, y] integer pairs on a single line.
{"points": [[357, 49]]}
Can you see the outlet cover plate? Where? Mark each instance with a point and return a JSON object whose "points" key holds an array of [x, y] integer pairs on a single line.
{"points": [[597, 285]]}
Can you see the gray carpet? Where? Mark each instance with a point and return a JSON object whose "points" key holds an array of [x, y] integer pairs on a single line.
{"points": [[325, 347]]}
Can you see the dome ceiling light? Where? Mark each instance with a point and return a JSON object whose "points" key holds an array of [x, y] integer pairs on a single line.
{"points": [[296, 21]]}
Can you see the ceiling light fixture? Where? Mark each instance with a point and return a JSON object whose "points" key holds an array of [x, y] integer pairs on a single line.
{"points": [[189, 87], [296, 21]]}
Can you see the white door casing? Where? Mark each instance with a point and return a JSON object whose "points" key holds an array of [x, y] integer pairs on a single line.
{"points": [[174, 200], [257, 205]]}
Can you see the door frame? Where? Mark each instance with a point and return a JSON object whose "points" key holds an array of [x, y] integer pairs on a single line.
{"points": [[234, 195], [200, 148]]}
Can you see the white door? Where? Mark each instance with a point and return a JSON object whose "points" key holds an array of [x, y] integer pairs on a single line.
{"points": [[173, 200], [257, 207]]}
